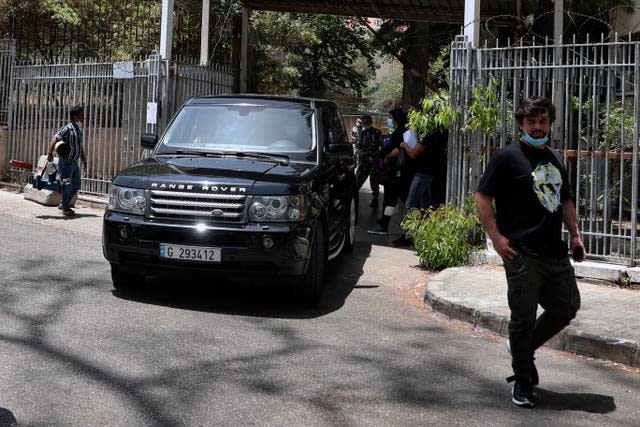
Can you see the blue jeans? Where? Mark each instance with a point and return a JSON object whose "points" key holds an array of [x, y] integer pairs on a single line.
{"points": [[70, 176], [419, 192]]}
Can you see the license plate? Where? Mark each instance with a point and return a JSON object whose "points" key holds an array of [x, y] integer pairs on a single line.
{"points": [[190, 253]]}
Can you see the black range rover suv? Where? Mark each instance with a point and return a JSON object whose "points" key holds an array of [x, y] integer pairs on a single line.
{"points": [[237, 185]]}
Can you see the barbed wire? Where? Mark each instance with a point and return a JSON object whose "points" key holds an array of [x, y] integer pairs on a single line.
{"points": [[523, 23]]}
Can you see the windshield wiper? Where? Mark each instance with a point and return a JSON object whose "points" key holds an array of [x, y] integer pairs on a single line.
{"points": [[281, 158], [191, 153]]}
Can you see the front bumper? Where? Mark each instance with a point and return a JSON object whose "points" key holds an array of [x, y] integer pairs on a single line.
{"points": [[134, 241]]}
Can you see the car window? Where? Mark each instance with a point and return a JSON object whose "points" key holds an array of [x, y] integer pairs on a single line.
{"points": [[333, 124], [241, 128]]}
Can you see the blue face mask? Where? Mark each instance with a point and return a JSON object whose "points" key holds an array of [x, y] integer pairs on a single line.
{"points": [[536, 142], [389, 123]]}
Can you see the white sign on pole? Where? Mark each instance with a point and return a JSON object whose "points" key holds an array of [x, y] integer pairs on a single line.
{"points": [[152, 113]]}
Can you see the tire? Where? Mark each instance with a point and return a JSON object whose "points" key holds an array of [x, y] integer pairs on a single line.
{"points": [[351, 221], [312, 283], [125, 278]]}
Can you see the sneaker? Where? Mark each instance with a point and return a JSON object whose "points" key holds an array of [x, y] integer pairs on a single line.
{"points": [[60, 207], [69, 212], [378, 229], [402, 241], [374, 202], [522, 395]]}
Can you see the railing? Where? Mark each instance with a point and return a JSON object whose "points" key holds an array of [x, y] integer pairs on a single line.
{"points": [[595, 90]]}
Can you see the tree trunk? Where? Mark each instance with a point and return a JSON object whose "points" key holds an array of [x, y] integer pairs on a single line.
{"points": [[413, 88]]}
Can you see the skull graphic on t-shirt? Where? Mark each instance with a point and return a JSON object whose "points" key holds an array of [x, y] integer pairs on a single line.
{"points": [[547, 181]]}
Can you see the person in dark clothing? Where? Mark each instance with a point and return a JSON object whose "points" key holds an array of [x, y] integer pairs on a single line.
{"points": [[397, 181], [368, 143], [528, 182]]}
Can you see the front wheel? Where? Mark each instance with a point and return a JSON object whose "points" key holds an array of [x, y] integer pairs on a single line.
{"points": [[313, 281], [125, 278]]}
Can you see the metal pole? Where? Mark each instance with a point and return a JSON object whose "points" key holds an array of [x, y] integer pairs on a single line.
{"points": [[166, 29], [634, 173], [204, 33]]}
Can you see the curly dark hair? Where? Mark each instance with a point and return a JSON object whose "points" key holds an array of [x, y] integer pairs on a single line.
{"points": [[399, 115], [534, 106]]}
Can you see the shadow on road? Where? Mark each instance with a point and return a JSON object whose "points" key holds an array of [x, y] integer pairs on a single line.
{"points": [[60, 216], [585, 402]]}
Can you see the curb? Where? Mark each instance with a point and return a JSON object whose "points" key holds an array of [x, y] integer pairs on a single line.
{"points": [[597, 270], [570, 339]]}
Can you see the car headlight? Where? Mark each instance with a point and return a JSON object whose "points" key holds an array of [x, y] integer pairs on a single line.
{"points": [[277, 208], [127, 200]]}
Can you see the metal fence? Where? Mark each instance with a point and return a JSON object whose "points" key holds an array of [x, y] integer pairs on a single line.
{"points": [[122, 100], [190, 80], [596, 90], [115, 102], [7, 58]]}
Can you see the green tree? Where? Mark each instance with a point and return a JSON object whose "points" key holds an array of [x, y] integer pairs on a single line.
{"points": [[385, 92], [310, 55], [119, 29], [422, 48]]}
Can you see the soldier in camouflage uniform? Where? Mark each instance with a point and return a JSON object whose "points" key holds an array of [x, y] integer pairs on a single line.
{"points": [[368, 142]]}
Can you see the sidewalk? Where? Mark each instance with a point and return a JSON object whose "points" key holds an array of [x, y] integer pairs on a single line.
{"points": [[606, 327], [88, 218]]}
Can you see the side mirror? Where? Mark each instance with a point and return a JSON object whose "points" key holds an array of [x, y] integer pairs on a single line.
{"points": [[148, 141]]}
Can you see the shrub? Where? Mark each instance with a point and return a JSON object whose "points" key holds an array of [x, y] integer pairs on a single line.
{"points": [[443, 237]]}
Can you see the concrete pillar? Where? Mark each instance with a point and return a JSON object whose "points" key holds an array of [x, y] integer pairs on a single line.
{"points": [[472, 21]]}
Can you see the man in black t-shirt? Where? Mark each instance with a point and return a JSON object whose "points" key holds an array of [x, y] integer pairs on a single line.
{"points": [[528, 183]]}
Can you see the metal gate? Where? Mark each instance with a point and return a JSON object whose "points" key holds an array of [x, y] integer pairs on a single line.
{"points": [[122, 100], [595, 89], [7, 58], [115, 96]]}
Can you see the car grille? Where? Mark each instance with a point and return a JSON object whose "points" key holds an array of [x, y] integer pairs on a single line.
{"points": [[198, 206]]}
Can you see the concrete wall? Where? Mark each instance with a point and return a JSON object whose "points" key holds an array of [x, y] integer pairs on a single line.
{"points": [[623, 23]]}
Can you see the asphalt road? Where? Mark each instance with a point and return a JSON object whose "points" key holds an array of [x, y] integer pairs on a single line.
{"points": [[198, 352]]}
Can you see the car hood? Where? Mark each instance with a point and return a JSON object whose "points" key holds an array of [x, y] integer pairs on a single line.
{"points": [[207, 169]]}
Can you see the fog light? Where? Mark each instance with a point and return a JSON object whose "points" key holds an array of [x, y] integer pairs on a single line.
{"points": [[267, 242], [123, 233]]}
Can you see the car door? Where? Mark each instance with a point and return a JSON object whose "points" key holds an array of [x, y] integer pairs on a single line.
{"points": [[338, 160]]}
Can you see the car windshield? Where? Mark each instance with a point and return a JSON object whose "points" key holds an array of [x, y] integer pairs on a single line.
{"points": [[240, 128]]}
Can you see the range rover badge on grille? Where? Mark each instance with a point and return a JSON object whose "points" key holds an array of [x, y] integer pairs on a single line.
{"points": [[217, 212]]}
